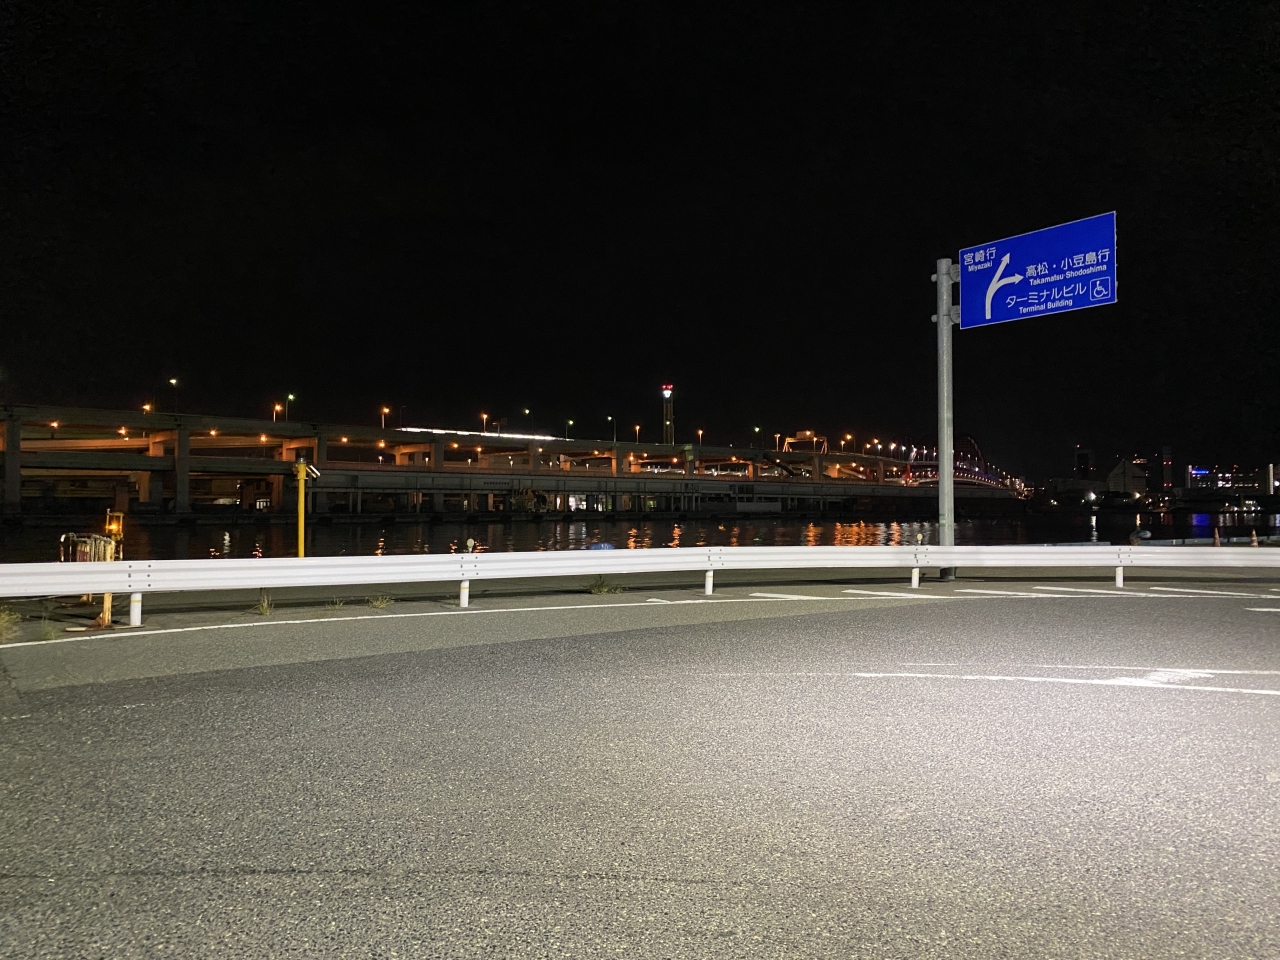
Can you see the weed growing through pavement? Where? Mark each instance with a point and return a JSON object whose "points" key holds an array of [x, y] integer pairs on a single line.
{"points": [[9, 620], [47, 630], [601, 585], [380, 603], [265, 606], [337, 603]]}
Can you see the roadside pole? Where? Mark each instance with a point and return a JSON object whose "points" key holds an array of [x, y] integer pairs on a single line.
{"points": [[300, 471], [945, 318]]}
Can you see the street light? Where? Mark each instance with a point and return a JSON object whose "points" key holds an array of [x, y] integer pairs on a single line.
{"points": [[699, 438], [146, 408], [776, 438], [384, 412], [637, 433], [484, 423], [526, 413], [567, 425], [754, 439], [275, 411], [173, 382], [615, 428], [289, 398]]}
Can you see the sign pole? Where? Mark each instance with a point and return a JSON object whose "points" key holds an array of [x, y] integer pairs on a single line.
{"points": [[946, 457], [1055, 270]]}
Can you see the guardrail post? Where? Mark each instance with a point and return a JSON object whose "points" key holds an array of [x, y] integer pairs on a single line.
{"points": [[915, 578], [135, 609], [708, 583], [1119, 576], [464, 593]]}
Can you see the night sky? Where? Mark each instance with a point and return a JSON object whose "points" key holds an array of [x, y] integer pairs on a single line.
{"points": [[465, 207]]}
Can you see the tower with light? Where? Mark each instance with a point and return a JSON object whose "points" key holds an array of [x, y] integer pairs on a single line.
{"points": [[668, 415]]}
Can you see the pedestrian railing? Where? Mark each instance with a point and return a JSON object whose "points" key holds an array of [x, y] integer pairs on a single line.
{"points": [[138, 577]]}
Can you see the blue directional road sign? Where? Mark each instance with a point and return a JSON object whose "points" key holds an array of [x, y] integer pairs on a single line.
{"points": [[1067, 267]]}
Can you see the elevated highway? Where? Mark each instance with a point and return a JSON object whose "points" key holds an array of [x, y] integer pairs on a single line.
{"points": [[59, 460]]}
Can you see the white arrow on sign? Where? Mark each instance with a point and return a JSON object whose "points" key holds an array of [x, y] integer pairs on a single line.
{"points": [[997, 283]]}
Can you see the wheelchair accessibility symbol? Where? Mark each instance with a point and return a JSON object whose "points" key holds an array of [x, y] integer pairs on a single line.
{"points": [[1100, 288]]}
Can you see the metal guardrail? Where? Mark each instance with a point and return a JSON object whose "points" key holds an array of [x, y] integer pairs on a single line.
{"points": [[137, 577]]}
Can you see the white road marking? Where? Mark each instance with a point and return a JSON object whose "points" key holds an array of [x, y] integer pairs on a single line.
{"points": [[1212, 593], [792, 596], [890, 593], [1177, 676], [1264, 609], [1110, 682], [105, 635], [1213, 671], [1114, 593], [1010, 593]]}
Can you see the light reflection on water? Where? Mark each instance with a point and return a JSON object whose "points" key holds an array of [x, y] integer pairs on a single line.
{"points": [[18, 544]]}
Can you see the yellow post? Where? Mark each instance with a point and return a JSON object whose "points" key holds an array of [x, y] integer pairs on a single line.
{"points": [[300, 471]]}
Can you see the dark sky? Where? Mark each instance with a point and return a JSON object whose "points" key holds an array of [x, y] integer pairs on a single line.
{"points": [[466, 207]]}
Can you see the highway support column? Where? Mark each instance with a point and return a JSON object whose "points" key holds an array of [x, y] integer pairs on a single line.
{"points": [[182, 471], [945, 318], [12, 466]]}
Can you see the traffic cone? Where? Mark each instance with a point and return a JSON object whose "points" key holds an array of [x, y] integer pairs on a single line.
{"points": [[1217, 541], [1253, 538]]}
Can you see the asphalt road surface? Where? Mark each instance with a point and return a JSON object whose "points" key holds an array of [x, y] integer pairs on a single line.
{"points": [[1035, 769]]}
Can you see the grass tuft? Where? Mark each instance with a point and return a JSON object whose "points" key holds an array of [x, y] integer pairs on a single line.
{"points": [[380, 602], [600, 585], [9, 620], [265, 605]]}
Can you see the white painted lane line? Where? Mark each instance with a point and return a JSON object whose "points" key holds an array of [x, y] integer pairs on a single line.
{"points": [[1130, 682], [1087, 666], [1211, 593], [794, 596], [891, 593], [1114, 593], [1176, 676], [470, 612], [1011, 593], [1264, 609]]}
